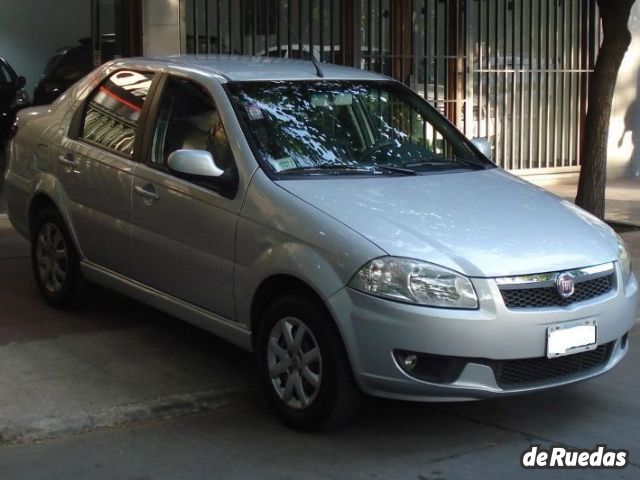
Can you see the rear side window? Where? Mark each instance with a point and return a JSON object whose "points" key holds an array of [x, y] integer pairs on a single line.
{"points": [[114, 109]]}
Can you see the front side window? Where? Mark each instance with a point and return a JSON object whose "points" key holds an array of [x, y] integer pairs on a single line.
{"points": [[329, 127], [188, 119], [114, 109]]}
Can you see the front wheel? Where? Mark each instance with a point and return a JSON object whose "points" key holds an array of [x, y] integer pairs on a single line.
{"points": [[304, 366]]}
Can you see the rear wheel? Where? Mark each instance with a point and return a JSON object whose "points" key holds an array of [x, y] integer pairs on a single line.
{"points": [[55, 262], [304, 367]]}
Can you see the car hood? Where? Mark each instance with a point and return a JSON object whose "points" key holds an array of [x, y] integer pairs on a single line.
{"points": [[484, 223]]}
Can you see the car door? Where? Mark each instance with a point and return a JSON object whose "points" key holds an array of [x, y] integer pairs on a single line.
{"points": [[95, 166], [184, 228]]}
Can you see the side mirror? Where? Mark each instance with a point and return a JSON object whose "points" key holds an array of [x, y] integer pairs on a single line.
{"points": [[194, 163], [21, 82], [482, 144]]}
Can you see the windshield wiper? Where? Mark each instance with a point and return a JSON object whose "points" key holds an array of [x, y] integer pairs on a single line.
{"points": [[372, 169], [330, 166], [456, 161], [393, 168]]}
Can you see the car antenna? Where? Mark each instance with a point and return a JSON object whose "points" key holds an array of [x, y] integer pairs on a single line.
{"points": [[312, 57], [316, 64]]}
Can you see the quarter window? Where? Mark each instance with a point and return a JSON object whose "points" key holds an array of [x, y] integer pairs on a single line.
{"points": [[114, 109]]}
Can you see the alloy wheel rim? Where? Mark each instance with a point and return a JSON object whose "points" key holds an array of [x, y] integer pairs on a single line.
{"points": [[51, 256], [295, 363]]}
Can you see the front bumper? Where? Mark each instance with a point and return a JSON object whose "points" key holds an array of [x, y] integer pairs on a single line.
{"points": [[373, 328]]}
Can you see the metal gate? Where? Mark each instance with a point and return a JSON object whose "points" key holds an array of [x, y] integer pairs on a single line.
{"points": [[515, 71], [529, 78], [278, 28]]}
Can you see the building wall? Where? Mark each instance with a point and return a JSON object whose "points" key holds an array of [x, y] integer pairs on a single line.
{"points": [[31, 31], [624, 131], [161, 27]]}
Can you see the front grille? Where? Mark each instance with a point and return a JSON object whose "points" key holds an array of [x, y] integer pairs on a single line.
{"points": [[536, 297], [529, 371]]}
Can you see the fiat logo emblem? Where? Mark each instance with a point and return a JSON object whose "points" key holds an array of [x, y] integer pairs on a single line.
{"points": [[565, 285]]}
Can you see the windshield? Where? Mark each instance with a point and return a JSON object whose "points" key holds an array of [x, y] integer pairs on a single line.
{"points": [[329, 127]]}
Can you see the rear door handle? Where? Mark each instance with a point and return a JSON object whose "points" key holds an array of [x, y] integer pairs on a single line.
{"points": [[68, 160], [148, 192]]}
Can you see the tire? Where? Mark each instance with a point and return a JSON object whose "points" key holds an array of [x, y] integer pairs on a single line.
{"points": [[56, 264], [336, 399]]}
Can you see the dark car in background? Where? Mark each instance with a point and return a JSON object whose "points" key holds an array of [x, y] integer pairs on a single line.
{"points": [[13, 96], [67, 66], [64, 68]]}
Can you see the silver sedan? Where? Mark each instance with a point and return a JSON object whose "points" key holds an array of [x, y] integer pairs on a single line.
{"points": [[328, 219]]}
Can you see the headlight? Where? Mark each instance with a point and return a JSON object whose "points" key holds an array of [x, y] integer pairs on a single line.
{"points": [[414, 281], [625, 260]]}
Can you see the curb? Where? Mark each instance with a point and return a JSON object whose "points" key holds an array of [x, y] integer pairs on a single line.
{"points": [[622, 227], [123, 415]]}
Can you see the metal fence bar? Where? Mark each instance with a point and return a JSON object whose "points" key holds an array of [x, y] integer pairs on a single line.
{"points": [[505, 100], [279, 26], [539, 153], [487, 104], [311, 45], [321, 37], [515, 157], [524, 104], [572, 81], [554, 138], [331, 39], [547, 119], [299, 40], [563, 87], [496, 60], [531, 76]]}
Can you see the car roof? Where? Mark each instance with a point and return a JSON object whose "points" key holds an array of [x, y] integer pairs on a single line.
{"points": [[247, 68]]}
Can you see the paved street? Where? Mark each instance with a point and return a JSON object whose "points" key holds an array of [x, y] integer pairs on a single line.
{"points": [[117, 361], [122, 391]]}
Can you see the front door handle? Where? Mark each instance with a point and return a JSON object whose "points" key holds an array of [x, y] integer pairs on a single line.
{"points": [[68, 160], [148, 192]]}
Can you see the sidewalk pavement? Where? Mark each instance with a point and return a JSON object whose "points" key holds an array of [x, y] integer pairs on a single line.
{"points": [[622, 198], [622, 207]]}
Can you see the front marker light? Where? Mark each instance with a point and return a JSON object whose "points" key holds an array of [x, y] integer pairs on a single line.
{"points": [[625, 260], [413, 281]]}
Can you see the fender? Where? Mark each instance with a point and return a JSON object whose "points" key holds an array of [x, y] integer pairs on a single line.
{"points": [[264, 246], [48, 185], [288, 258]]}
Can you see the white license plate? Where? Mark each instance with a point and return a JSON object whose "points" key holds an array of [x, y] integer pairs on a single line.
{"points": [[571, 338]]}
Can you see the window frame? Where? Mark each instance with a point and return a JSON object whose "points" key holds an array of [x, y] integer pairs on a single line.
{"points": [[154, 112], [76, 125], [144, 156]]}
